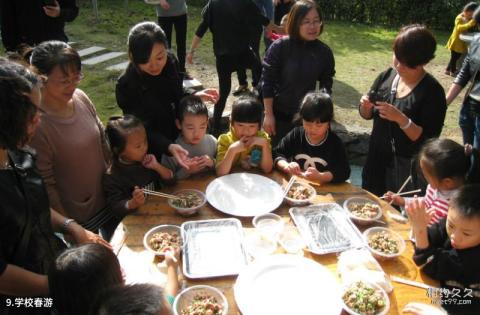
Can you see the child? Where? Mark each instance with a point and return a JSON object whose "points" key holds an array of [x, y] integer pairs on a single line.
{"points": [[79, 273], [449, 251], [446, 165], [312, 150], [132, 168], [457, 47], [245, 144], [193, 122]]}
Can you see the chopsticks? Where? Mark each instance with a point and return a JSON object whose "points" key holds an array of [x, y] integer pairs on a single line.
{"points": [[159, 194], [289, 185], [410, 282], [404, 193]]}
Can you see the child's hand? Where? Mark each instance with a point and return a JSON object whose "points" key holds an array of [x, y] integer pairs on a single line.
{"points": [[293, 169], [138, 198], [172, 256], [195, 165], [150, 161], [205, 161], [430, 214], [392, 197], [311, 174], [239, 146], [417, 213], [259, 141]]}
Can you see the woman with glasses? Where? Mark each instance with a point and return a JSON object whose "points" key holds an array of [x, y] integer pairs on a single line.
{"points": [[70, 141], [407, 106], [292, 67], [28, 245]]}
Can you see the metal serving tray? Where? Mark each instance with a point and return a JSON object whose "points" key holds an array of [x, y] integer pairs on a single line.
{"points": [[213, 248], [326, 228]]}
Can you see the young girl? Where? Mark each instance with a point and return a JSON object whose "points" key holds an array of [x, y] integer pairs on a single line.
{"points": [[245, 144], [447, 166], [132, 168], [457, 47], [312, 150]]}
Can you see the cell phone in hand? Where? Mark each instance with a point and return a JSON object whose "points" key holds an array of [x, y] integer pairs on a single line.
{"points": [[50, 3], [373, 97]]}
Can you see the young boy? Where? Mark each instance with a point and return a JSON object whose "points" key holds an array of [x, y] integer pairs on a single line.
{"points": [[245, 144], [193, 122], [449, 251]]}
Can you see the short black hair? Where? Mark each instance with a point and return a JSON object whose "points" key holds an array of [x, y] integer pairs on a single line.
{"points": [[47, 55], [247, 109], [118, 127], [79, 274], [141, 39], [145, 299], [466, 200], [191, 105], [414, 45], [16, 107], [316, 106], [471, 6], [446, 158]]}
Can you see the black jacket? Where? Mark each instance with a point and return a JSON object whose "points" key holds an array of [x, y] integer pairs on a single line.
{"points": [[25, 22]]}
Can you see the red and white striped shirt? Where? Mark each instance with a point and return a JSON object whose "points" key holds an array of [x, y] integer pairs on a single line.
{"points": [[437, 201]]}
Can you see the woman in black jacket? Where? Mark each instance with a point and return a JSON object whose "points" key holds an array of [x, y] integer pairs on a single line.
{"points": [[151, 88], [27, 223]]}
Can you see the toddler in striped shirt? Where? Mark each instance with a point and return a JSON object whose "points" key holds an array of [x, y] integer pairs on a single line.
{"points": [[446, 166]]}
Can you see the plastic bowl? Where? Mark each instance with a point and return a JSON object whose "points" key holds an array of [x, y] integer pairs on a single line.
{"points": [[185, 298], [159, 229], [383, 311], [258, 246], [395, 236], [362, 221], [269, 225], [291, 240], [192, 210], [301, 202]]}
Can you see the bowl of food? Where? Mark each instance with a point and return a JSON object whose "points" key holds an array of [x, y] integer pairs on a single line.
{"points": [[188, 202], [300, 194], [163, 238], [363, 298], [363, 210], [200, 299], [384, 243]]}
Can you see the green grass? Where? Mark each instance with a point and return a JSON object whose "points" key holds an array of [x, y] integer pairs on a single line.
{"points": [[361, 53]]}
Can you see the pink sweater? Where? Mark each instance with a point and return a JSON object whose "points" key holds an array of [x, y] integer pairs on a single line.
{"points": [[72, 160]]}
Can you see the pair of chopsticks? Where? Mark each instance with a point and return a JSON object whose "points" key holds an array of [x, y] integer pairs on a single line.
{"points": [[404, 193], [410, 282], [159, 194], [289, 185]]}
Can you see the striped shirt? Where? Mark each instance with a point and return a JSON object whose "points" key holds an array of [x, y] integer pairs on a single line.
{"points": [[437, 201]]}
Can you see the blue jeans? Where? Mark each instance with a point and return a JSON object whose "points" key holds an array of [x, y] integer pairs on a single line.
{"points": [[469, 121]]}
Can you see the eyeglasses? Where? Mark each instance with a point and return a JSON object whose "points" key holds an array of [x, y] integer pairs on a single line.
{"points": [[311, 23], [68, 82]]}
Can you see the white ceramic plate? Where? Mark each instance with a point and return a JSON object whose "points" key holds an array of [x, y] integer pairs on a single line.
{"points": [[244, 194], [287, 284]]}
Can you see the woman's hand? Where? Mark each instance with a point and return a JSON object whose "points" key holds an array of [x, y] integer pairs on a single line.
{"points": [[208, 95], [83, 236], [389, 112], [190, 57], [269, 124], [52, 11], [180, 154], [164, 4]]}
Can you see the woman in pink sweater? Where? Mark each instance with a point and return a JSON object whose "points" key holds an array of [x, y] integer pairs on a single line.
{"points": [[70, 141]]}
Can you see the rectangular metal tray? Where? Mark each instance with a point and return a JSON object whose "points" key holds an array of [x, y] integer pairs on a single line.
{"points": [[326, 228], [213, 248]]}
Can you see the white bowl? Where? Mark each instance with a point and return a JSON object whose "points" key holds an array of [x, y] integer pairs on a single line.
{"points": [[269, 225], [183, 300], [291, 240], [159, 229], [257, 245], [301, 202], [188, 211], [383, 311], [362, 221], [378, 254]]}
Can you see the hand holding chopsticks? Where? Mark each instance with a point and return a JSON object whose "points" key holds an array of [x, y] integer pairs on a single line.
{"points": [[404, 193], [159, 194]]}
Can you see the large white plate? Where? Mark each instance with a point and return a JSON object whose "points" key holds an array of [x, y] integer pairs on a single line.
{"points": [[244, 194], [287, 284]]}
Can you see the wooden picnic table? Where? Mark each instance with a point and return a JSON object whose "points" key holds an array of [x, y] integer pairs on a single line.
{"points": [[157, 211]]}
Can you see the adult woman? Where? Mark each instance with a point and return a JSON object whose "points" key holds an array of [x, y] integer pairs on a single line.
{"points": [[407, 106], [70, 142], [292, 67], [151, 88], [27, 224]]}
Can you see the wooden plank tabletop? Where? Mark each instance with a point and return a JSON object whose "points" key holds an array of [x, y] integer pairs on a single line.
{"points": [[156, 211]]}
